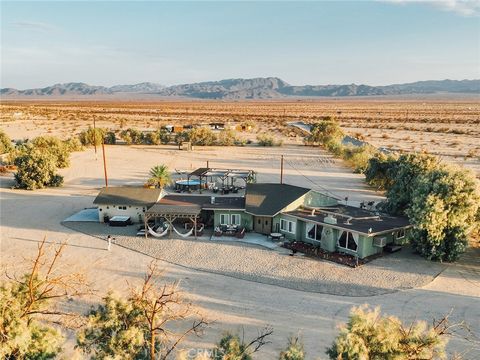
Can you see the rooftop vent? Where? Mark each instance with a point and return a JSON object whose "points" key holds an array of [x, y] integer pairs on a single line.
{"points": [[329, 220]]}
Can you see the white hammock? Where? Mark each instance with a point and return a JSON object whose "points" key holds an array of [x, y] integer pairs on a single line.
{"points": [[155, 234], [183, 235]]}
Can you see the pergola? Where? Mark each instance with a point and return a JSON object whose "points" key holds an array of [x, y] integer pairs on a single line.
{"points": [[172, 212], [223, 174]]}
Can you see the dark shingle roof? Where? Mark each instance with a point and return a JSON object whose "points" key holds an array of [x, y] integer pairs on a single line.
{"points": [[377, 224], [221, 202], [270, 199], [127, 196]]}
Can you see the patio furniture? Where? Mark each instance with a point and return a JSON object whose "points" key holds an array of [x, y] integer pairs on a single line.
{"points": [[276, 236], [241, 234], [218, 231]]}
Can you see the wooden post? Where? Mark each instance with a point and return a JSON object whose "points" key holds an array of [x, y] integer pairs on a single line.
{"points": [[95, 137], [104, 164], [281, 170], [207, 165], [145, 221], [195, 226]]}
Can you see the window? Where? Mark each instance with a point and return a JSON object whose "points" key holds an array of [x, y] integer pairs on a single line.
{"points": [[235, 219], [347, 241], [314, 231], [401, 234], [224, 219], [122, 207], [287, 225]]}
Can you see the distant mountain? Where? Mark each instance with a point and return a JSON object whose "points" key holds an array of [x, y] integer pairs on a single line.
{"points": [[257, 88]]}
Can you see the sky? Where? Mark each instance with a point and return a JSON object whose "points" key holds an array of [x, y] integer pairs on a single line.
{"points": [[313, 42]]}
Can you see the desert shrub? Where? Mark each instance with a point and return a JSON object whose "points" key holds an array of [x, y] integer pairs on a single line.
{"points": [[5, 143], [202, 136], [368, 335], [56, 147], [325, 131], [151, 138], [378, 170], [92, 136], [358, 157], [268, 140], [73, 144], [164, 136], [182, 137], [293, 351], [110, 138], [36, 169], [131, 136], [227, 137], [231, 346]]}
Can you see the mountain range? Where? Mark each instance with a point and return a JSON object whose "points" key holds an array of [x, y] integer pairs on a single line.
{"points": [[237, 89]]}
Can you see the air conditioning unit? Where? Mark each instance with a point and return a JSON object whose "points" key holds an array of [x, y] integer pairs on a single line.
{"points": [[380, 242], [329, 220]]}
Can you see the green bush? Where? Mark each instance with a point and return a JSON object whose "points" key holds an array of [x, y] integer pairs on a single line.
{"points": [[294, 350], [5, 143], [202, 136], [227, 137], [368, 335], [268, 140], [110, 138], [325, 131], [92, 136], [56, 147], [182, 137], [132, 136], [36, 169], [151, 138], [73, 144]]}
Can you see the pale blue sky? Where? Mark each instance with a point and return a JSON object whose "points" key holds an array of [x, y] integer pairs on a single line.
{"points": [[107, 43]]}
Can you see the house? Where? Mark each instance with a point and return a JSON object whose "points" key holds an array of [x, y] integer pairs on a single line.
{"points": [[299, 213], [125, 201]]}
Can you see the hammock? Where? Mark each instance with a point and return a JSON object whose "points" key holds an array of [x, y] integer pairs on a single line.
{"points": [[183, 235], [157, 235]]}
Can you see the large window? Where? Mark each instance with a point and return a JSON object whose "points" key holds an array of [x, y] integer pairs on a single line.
{"points": [[235, 219], [314, 231], [347, 241], [224, 219], [287, 225]]}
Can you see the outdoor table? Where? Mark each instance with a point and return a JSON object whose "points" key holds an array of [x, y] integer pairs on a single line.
{"points": [[276, 236]]}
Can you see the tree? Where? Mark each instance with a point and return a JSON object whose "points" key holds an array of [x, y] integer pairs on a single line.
{"points": [[202, 136], [141, 326], [5, 143], [444, 207], [159, 176], [182, 137], [110, 138], [36, 169], [27, 308], [57, 148], [114, 330], [152, 138], [92, 136], [368, 335], [231, 347], [378, 171], [404, 174], [294, 350]]}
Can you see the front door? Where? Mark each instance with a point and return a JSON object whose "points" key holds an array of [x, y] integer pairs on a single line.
{"points": [[263, 224]]}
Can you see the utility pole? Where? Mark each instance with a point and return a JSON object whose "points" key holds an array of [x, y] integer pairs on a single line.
{"points": [[95, 137], [208, 167], [281, 170], [104, 164]]}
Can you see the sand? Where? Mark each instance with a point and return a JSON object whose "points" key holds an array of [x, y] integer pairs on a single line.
{"points": [[232, 302]]}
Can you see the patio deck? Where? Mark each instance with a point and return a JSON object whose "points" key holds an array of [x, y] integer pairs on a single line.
{"points": [[250, 238]]}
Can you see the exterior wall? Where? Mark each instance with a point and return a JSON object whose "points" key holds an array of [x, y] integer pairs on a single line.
{"points": [[329, 238], [245, 219], [316, 199], [136, 212], [288, 236]]}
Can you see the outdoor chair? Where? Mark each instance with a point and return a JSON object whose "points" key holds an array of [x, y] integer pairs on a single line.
{"points": [[240, 234]]}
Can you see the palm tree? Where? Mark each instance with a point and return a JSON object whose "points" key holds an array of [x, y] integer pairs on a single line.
{"points": [[160, 176]]}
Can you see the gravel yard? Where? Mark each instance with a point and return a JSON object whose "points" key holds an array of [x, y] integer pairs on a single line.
{"points": [[402, 270]]}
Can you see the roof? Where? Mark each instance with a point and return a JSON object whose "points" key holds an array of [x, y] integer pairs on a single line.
{"points": [[222, 173], [205, 202], [377, 223], [124, 195], [269, 199], [165, 209]]}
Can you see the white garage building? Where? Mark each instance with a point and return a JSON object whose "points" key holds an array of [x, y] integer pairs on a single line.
{"points": [[125, 201]]}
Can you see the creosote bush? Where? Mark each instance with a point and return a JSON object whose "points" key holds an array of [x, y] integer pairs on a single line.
{"points": [[268, 141], [5, 143], [92, 136]]}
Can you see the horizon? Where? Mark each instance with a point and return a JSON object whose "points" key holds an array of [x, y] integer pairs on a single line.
{"points": [[375, 43]]}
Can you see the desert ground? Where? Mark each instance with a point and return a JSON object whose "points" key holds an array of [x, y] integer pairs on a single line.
{"points": [[448, 128], [232, 302]]}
